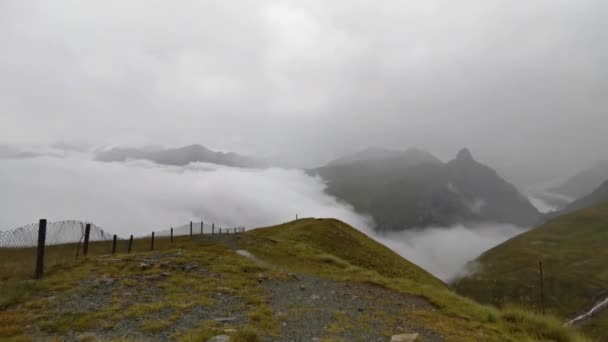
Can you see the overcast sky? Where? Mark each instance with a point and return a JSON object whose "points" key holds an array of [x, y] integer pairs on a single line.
{"points": [[521, 83]]}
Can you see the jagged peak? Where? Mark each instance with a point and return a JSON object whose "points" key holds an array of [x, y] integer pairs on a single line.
{"points": [[464, 155]]}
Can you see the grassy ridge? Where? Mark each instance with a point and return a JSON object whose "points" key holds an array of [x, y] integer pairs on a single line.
{"points": [[332, 249], [324, 248], [574, 255]]}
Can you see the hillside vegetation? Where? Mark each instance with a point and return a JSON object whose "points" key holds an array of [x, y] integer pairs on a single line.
{"points": [[310, 278], [573, 251]]}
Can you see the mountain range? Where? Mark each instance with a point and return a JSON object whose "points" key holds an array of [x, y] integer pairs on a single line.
{"points": [[414, 189], [180, 156]]}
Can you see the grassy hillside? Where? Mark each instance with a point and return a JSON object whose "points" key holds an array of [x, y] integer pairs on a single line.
{"points": [[574, 255], [310, 278]]}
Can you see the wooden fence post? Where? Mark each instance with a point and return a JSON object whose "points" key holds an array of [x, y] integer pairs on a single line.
{"points": [[190, 228], [212, 228], [130, 244], [40, 253], [114, 245], [542, 288], [152, 242], [171, 234], [87, 233], [220, 230], [201, 227]]}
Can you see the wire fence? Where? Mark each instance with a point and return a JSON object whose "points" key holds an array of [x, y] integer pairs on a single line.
{"points": [[57, 233], [38, 246]]}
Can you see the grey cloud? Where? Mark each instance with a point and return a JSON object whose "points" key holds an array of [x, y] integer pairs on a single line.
{"points": [[304, 82]]}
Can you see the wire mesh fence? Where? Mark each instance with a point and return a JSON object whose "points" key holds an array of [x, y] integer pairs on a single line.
{"points": [[24, 249], [57, 233]]}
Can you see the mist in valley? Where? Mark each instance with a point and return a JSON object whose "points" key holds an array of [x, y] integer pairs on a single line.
{"points": [[136, 197]]}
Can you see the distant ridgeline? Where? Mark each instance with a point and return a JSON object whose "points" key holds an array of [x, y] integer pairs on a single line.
{"points": [[180, 156], [413, 189]]}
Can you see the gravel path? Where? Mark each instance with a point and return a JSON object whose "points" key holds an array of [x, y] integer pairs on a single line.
{"points": [[310, 308]]}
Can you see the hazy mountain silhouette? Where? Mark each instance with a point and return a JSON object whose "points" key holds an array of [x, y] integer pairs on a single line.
{"points": [[596, 197], [584, 182], [179, 156], [415, 189]]}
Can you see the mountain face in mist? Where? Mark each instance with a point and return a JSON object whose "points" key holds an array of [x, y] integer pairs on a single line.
{"points": [[355, 178], [425, 192], [598, 196], [180, 156], [584, 182]]}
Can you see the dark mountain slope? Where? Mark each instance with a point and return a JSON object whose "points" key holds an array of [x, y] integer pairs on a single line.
{"points": [[179, 156], [600, 195], [355, 178], [584, 182], [414, 189], [461, 191]]}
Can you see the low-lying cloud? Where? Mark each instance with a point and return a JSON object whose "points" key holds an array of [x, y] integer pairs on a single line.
{"points": [[445, 252], [137, 197]]}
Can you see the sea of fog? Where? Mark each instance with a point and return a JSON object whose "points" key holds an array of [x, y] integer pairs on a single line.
{"points": [[136, 197]]}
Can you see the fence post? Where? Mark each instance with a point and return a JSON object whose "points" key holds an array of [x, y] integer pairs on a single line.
{"points": [[87, 233], [542, 288], [152, 242], [114, 245], [190, 228], [234, 230], [220, 230], [171, 234], [130, 244], [40, 253], [201, 227], [212, 228]]}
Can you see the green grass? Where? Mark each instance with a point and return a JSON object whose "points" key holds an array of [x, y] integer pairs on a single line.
{"points": [[574, 252], [332, 249], [325, 248]]}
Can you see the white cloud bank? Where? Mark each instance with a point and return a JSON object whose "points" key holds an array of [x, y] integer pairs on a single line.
{"points": [[138, 197]]}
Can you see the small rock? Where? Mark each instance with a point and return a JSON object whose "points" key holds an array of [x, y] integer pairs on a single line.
{"points": [[302, 287], [143, 265], [165, 274], [225, 319], [108, 281], [219, 338], [315, 297], [189, 267], [315, 339], [405, 338], [261, 277], [294, 276]]}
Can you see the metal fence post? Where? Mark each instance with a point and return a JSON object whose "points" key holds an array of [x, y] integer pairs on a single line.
{"points": [[130, 244], [201, 227], [114, 245], [190, 228], [87, 234], [152, 242], [212, 228], [40, 252], [171, 234]]}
